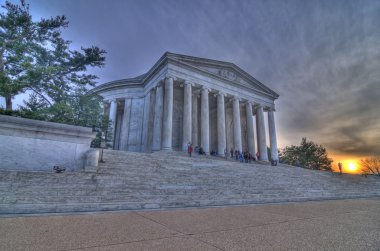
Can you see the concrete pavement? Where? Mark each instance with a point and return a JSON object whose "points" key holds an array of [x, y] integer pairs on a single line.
{"points": [[319, 225]]}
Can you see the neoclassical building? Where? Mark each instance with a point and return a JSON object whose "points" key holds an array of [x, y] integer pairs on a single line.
{"points": [[184, 99]]}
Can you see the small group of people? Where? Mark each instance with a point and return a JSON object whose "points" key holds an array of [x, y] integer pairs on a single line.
{"points": [[245, 156], [197, 149]]}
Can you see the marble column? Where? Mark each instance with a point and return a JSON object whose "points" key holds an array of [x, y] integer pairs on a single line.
{"points": [[167, 123], [194, 121], [221, 124], [158, 111], [112, 119], [261, 140], [125, 125], [237, 125], [205, 121], [250, 134], [186, 132], [272, 135]]}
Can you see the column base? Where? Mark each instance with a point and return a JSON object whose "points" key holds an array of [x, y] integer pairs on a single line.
{"points": [[167, 149]]}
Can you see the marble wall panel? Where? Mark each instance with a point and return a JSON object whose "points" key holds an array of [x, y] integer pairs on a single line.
{"points": [[243, 123], [229, 126], [135, 128], [199, 122], [118, 124], [213, 123], [177, 117], [145, 124], [152, 103]]}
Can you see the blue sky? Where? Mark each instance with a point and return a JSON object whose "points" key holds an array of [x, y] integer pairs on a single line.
{"points": [[322, 57]]}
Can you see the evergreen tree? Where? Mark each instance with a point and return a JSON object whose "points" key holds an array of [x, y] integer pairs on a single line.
{"points": [[308, 154], [35, 57]]}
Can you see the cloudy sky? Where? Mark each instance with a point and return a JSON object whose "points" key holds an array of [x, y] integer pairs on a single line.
{"points": [[322, 57]]}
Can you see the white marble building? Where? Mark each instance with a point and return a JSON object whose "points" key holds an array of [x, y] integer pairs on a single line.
{"points": [[183, 99]]}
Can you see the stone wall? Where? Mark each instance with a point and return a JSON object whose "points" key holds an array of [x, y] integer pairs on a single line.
{"points": [[34, 145]]}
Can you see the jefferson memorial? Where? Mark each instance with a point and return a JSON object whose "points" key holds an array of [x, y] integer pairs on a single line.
{"points": [[182, 99]]}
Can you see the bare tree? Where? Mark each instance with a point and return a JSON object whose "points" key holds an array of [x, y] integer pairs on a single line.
{"points": [[371, 165]]}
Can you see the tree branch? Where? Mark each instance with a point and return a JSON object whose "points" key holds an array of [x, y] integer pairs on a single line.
{"points": [[39, 94]]}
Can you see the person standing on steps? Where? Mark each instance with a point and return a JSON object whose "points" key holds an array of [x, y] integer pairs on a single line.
{"points": [[190, 149], [241, 157], [232, 152], [257, 156], [250, 157], [340, 167]]}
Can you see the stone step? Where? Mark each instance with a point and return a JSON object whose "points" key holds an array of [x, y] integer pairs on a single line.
{"points": [[167, 180]]}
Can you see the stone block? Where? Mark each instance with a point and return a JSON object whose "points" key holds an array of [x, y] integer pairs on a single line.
{"points": [[33, 145]]}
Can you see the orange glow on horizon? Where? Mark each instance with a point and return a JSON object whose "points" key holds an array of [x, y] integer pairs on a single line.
{"points": [[350, 164]]}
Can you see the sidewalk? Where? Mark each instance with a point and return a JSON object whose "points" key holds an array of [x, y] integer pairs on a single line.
{"points": [[322, 225]]}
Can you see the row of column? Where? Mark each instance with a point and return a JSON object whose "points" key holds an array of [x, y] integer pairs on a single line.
{"points": [[163, 122], [190, 123]]}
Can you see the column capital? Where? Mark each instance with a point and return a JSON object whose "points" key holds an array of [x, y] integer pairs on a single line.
{"points": [[272, 108], [169, 76], [186, 82], [248, 102], [111, 100], [220, 93], [158, 84], [236, 98], [205, 89], [267, 108], [258, 106]]}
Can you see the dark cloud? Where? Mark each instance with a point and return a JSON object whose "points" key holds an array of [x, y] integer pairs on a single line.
{"points": [[323, 57]]}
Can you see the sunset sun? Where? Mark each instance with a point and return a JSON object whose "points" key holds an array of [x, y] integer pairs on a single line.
{"points": [[351, 166]]}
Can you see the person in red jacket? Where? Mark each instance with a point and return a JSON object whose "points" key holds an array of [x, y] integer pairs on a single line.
{"points": [[190, 149]]}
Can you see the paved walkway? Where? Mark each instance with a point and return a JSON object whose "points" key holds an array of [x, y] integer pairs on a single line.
{"points": [[322, 225]]}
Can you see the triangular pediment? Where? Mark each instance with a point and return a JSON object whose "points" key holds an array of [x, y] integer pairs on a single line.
{"points": [[224, 71]]}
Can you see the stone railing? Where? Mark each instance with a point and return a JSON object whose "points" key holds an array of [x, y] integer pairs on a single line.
{"points": [[33, 145]]}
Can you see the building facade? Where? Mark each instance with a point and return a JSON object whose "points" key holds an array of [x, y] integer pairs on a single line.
{"points": [[183, 99]]}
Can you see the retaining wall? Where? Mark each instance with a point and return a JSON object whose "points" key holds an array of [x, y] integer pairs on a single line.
{"points": [[33, 145]]}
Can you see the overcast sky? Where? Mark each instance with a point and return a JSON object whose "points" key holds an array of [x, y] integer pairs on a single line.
{"points": [[322, 57]]}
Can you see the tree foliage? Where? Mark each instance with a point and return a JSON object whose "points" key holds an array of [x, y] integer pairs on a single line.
{"points": [[35, 57], [308, 155], [371, 165]]}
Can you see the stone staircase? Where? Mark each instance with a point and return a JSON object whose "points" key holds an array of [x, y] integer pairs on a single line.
{"points": [[128, 181]]}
